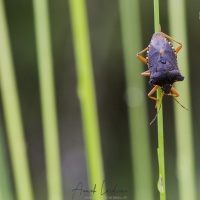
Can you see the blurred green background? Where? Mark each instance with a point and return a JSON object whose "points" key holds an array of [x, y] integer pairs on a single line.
{"points": [[108, 57]]}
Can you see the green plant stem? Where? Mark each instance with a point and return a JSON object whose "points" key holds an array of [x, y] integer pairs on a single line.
{"points": [[12, 114], [183, 125], [139, 129], [49, 116], [5, 179], [86, 94], [161, 156]]}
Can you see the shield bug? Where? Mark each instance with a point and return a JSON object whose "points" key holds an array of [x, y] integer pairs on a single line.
{"points": [[162, 64]]}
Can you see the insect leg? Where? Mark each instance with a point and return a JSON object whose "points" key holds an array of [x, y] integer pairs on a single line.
{"points": [[170, 38], [140, 57], [175, 93], [146, 73], [152, 92]]}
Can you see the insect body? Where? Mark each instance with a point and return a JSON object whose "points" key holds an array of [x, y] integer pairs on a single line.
{"points": [[162, 64]]}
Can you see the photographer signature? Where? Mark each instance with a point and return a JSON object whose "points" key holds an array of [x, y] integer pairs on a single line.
{"points": [[79, 189]]}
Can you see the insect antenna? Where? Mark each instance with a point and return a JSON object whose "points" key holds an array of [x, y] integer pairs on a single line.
{"points": [[157, 112], [181, 104]]}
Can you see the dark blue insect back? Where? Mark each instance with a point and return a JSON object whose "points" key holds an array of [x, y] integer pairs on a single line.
{"points": [[162, 63]]}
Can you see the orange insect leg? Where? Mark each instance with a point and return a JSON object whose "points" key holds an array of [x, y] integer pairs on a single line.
{"points": [[146, 73], [170, 38], [140, 57], [175, 93], [152, 92]]}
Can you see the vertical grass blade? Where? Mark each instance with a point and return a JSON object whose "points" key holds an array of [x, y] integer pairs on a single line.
{"points": [[12, 113], [5, 181], [86, 94], [1, 196], [49, 116], [161, 156], [184, 132], [139, 133]]}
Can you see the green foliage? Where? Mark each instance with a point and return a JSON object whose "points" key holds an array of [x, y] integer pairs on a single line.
{"points": [[12, 112], [136, 101], [47, 92], [184, 130], [161, 155], [5, 180], [86, 94], [108, 59]]}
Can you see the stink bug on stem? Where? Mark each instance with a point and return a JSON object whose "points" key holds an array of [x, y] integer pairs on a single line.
{"points": [[162, 64]]}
